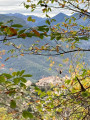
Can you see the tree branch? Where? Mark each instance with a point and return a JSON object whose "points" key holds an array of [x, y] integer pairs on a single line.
{"points": [[64, 52]]}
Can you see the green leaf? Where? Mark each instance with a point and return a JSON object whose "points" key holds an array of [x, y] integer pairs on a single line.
{"points": [[85, 94], [58, 37], [36, 88], [43, 28], [84, 72], [52, 37], [27, 114], [83, 38], [27, 6], [8, 82], [41, 36], [28, 0], [66, 19], [2, 79], [48, 22], [16, 80], [30, 19], [11, 51], [13, 104], [73, 18], [69, 21], [76, 39], [52, 1], [47, 16], [23, 85], [53, 20], [1, 23], [16, 25], [50, 69], [14, 73], [21, 31], [23, 79], [40, 1], [9, 21], [8, 76], [60, 110], [21, 73], [27, 75], [67, 81], [33, 20], [18, 73], [30, 34]]}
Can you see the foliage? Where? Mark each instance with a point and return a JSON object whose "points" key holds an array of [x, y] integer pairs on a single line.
{"points": [[69, 99], [4, 115], [66, 100]]}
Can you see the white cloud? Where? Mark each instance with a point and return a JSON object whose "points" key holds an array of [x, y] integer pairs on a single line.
{"points": [[11, 2], [15, 6]]}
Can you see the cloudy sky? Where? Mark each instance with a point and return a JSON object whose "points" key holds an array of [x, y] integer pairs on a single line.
{"points": [[15, 6]]}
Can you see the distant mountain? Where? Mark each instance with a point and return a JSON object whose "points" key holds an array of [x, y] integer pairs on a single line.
{"points": [[39, 20], [24, 17], [81, 19], [36, 23], [61, 18], [16, 20], [19, 18], [16, 15]]}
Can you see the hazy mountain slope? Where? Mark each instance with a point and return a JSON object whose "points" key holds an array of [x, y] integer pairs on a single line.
{"points": [[16, 20], [61, 18], [81, 20], [24, 17], [19, 18], [35, 65]]}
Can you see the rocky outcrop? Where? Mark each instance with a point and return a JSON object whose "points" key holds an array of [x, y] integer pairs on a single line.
{"points": [[50, 80], [28, 83]]}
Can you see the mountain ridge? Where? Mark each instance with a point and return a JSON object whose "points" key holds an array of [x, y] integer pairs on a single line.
{"points": [[41, 21]]}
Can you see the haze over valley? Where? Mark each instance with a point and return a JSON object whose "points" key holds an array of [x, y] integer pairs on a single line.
{"points": [[38, 66]]}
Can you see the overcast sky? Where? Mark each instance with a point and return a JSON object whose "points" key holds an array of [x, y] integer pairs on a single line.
{"points": [[15, 6]]}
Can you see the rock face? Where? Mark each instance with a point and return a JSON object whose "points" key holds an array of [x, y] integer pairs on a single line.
{"points": [[28, 83], [49, 80], [45, 83]]}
